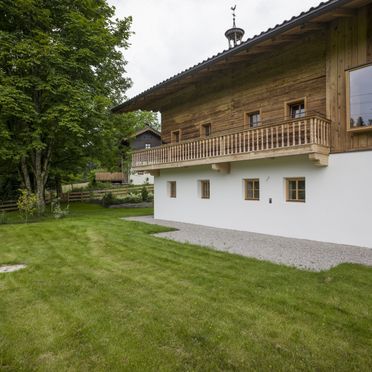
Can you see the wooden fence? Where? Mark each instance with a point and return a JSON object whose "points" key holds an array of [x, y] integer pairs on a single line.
{"points": [[80, 196], [77, 196]]}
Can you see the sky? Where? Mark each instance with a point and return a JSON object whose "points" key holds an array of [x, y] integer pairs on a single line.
{"points": [[173, 35]]}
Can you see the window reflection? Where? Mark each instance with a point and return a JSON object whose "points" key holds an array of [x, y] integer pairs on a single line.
{"points": [[361, 97]]}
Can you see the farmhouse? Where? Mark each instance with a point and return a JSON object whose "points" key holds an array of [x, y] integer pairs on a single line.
{"points": [[145, 138], [274, 134]]}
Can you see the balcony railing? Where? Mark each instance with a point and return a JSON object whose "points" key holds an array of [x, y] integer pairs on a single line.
{"points": [[264, 141]]}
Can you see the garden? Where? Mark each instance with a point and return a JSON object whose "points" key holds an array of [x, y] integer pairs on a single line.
{"points": [[102, 293]]}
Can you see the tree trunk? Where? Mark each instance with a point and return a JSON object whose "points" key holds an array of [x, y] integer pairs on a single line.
{"points": [[40, 181], [25, 175], [58, 183]]}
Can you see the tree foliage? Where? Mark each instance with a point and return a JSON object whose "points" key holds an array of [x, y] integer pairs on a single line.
{"points": [[61, 70]]}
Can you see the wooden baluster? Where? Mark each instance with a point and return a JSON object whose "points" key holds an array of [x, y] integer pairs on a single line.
{"points": [[276, 137]]}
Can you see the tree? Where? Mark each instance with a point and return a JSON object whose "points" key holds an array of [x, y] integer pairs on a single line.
{"points": [[61, 70], [140, 119]]}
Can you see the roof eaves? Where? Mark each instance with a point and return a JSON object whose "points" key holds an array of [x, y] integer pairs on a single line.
{"points": [[284, 26]]}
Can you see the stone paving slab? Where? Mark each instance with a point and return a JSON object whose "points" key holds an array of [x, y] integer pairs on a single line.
{"points": [[303, 254]]}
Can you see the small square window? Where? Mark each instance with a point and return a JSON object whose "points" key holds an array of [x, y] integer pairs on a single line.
{"points": [[172, 187], [297, 110], [205, 189], [296, 190], [254, 119], [148, 146], [176, 136], [252, 189], [206, 130]]}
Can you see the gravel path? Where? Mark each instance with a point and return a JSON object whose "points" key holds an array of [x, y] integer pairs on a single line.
{"points": [[303, 254]]}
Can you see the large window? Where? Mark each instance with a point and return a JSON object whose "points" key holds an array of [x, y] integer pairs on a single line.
{"points": [[360, 98], [205, 189], [296, 189], [252, 189]]}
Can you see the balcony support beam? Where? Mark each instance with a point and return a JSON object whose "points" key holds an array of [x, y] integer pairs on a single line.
{"points": [[223, 168], [155, 172], [320, 160]]}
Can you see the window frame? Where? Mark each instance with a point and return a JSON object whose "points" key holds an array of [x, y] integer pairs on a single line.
{"points": [[202, 130], [247, 117], [173, 133], [348, 96], [206, 196], [297, 180], [147, 146], [289, 104], [254, 189], [172, 189]]}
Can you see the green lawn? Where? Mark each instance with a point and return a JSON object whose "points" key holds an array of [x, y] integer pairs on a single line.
{"points": [[101, 294]]}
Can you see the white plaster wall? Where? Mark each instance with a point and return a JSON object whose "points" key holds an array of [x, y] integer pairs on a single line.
{"points": [[140, 179], [338, 204]]}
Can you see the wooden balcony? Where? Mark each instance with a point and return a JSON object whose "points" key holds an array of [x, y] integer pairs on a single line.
{"points": [[305, 136]]}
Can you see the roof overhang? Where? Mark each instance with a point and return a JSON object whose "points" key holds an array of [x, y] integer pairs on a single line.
{"points": [[285, 33]]}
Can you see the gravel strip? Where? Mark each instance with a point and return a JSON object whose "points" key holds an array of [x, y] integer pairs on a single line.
{"points": [[303, 254]]}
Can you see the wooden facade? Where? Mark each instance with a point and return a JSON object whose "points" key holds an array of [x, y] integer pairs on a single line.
{"points": [[349, 46], [305, 63], [313, 69]]}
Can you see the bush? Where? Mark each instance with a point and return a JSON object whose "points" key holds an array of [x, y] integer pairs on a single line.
{"points": [[144, 193], [132, 198], [26, 204], [108, 199], [150, 197], [3, 218], [57, 211]]}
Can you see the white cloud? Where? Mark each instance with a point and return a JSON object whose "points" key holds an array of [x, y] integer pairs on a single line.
{"points": [[172, 35]]}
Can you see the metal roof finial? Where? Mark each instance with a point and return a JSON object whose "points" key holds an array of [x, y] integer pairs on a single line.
{"points": [[235, 34], [233, 8]]}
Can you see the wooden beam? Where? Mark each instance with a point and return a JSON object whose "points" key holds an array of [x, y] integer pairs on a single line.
{"points": [[311, 26], [222, 167], [155, 172], [320, 160], [342, 12]]}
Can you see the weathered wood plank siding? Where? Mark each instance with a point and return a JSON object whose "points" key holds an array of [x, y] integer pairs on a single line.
{"points": [[296, 71], [349, 46], [314, 68]]}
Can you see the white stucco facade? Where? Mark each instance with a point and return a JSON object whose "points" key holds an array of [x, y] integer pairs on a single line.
{"points": [[141, 179], [338, 205]]}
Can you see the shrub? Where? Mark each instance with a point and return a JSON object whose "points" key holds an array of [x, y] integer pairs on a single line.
{"points": [[150, 197], [57, 211], [3, 218], [108, 199], [26, 204], [144, 193], [133, 198]]}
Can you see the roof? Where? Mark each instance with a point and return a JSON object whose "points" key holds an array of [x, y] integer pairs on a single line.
{"points": [[148, 129], [109, 177], [323, 13]]}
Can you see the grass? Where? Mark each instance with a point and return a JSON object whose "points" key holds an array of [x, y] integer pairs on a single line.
{"points": [[101, 294]]}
